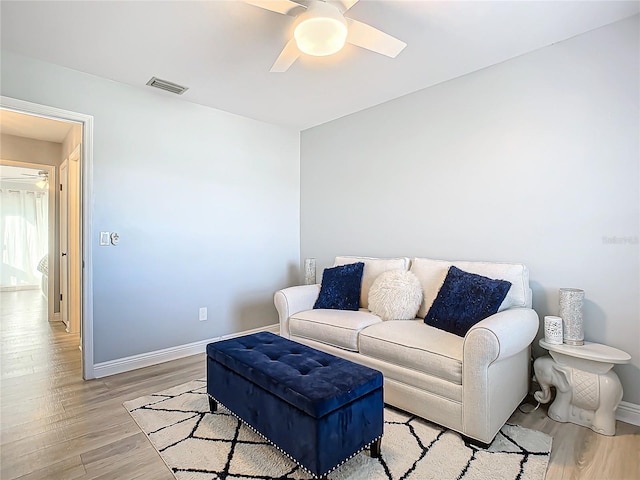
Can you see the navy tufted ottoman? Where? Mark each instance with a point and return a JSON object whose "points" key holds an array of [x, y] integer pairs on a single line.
{"points": [[317, 408]]}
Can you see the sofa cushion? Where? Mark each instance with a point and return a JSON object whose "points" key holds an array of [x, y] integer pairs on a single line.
{"points": [[432, 273], [340, 288], [339, 328], [465, 299], [372, 268], [395, 295], [413, 344]]}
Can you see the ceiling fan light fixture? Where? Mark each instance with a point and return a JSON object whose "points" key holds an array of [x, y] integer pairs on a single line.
{"points": [[44, 179], [321, 30]]}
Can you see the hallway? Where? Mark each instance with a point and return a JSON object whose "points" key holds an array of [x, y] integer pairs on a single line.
{"points": [[33, 346]]}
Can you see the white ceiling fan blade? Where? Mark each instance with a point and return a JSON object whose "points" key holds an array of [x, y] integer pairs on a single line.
{"points": [[289, 54], [285, 7], [344, 5], [371, 38]]}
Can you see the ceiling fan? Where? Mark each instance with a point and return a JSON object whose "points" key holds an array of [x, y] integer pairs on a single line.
{"points": [[321, 29], [42, 178]]}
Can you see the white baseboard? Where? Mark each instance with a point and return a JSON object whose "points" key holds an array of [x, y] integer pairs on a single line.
{"points": [[126, 364], [628, 413]]}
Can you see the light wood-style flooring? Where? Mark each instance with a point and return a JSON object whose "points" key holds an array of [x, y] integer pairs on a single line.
{"points": [[54, 425]]}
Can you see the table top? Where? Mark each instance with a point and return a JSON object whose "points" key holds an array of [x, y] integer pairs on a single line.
{"points": [[596, 352]]}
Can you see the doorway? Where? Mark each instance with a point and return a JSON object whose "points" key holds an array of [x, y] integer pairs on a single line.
{"points": [[79, 213], [26, 228]]}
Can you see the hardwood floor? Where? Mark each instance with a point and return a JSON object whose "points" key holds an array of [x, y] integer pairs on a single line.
{"points": [[54, 425]]}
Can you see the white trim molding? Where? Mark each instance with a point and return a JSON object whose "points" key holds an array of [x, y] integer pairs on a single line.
{"points": [[629, 413], [126, 364]]}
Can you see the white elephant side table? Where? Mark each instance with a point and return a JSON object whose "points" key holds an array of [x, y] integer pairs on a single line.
{"points": [[587, 390]]}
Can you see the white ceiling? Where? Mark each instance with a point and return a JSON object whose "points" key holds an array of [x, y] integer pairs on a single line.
{"points": [[222, 50], [30, 126]]}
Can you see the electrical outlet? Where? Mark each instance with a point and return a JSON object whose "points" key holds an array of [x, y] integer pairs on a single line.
{"points": [[203, 314]]}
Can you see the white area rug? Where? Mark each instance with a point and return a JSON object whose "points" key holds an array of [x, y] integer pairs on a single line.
{"points": [[198, 445]]}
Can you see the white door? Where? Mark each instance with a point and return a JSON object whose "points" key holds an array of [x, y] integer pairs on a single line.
{"points": [[64, 242]]}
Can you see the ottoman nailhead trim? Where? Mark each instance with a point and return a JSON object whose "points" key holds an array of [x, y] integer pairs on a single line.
{"points": [[289, 456]]}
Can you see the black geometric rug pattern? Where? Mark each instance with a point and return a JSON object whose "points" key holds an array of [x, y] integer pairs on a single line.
{"points": [[198, 445]]}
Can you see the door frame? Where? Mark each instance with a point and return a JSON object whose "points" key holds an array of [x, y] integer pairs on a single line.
{"points": [[51, 228], [86, 212], [63, 221]]}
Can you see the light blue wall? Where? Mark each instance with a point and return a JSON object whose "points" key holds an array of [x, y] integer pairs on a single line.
{"points": [[535, 160], [206, 204]]}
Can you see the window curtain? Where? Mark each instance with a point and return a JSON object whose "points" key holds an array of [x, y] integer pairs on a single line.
{"points": [[24, 236]]}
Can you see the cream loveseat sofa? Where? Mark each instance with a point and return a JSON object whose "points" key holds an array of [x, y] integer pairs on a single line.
{"points": [[470, 384]]}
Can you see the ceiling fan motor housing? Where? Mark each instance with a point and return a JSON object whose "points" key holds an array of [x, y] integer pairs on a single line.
{"points": [[321, 30]]}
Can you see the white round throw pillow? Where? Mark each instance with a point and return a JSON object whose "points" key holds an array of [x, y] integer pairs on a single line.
{"points": [[395, 295]]}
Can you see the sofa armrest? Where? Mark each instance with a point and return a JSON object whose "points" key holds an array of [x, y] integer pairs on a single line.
{"points": [[293, 300], [495, 369], [507, 332]]}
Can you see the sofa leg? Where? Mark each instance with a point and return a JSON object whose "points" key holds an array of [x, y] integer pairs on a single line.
{"points": [[476, 443], [213, 405], [375, 448]]}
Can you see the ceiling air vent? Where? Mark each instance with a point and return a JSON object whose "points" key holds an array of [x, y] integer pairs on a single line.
{"points": [[167, 86]]}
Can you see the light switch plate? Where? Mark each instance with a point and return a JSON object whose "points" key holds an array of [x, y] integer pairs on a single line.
{"points": [[115, 238], [105, 239]]}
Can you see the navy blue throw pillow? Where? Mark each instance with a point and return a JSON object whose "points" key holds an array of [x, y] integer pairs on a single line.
{"points": [[464, 299], [340, 289]]}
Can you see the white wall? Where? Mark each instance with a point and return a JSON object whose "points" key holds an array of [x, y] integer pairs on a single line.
{"points": [[71, 141], [535, 160], [28, 150], [206, 204]]}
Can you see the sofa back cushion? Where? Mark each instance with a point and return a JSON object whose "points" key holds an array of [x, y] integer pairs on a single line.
{"points": [[432, 273], [372, 268]]}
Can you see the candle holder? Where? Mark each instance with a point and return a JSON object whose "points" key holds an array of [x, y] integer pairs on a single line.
{"points": [[309, 271], [553, 330], [571, 300]]}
